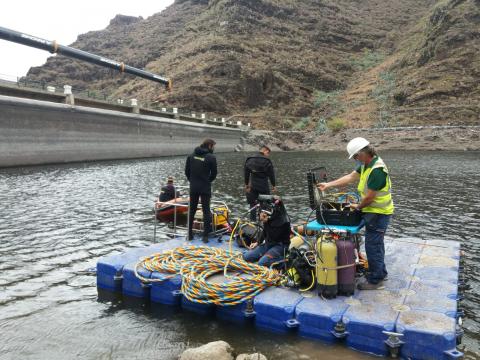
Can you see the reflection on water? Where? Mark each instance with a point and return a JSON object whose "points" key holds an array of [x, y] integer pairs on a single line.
{"points": [[56, 221]]}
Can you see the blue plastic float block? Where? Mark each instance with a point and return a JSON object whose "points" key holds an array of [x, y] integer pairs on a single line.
{"points": [[131, 285], [383, 297], [239, 314], [275, 309], [427, 335], [235, 313], [437, 274], [199, 308], [166, 292], [397, 283], [401, 256], [109, 268], [438, 262], [453, 245], [429, 295], [365, 324], [317, 317]]}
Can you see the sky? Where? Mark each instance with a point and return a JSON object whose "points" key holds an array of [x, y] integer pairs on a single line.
{"points": [[62, 21]]}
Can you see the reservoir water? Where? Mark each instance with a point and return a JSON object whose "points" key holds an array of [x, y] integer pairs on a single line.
{"points": [[56, 221]]}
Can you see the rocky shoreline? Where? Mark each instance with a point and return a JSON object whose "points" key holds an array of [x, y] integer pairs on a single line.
{"points": [[217, 350], [455, 138]]}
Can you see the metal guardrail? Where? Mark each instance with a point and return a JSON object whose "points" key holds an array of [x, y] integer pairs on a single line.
{"points": [[87, 94]]}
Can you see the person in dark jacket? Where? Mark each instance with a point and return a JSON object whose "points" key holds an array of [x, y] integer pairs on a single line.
{"points": [[275, 238], [258, 170], [168, 192], [201, 171]]}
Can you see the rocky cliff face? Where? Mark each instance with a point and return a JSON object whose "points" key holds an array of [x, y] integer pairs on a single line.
{"points": [[306, 64]]}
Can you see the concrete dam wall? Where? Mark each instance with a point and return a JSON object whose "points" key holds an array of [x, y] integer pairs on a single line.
{"points": [[40, 132]]}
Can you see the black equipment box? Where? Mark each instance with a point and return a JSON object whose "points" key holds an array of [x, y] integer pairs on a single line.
{"points": [[328, 216], [329, 213]]}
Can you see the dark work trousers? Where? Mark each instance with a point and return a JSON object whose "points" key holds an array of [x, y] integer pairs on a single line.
{"points": [[252, 197], [207, 217], [266, 254], [375, 228]]}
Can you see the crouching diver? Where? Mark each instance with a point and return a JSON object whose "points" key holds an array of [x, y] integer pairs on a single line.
{"points": [[275, 239]]}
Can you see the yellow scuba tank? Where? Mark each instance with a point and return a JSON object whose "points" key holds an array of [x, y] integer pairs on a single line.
{"points": [[326, 266]]}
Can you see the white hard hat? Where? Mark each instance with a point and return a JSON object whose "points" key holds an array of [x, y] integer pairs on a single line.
{"points": [[355, 145]]}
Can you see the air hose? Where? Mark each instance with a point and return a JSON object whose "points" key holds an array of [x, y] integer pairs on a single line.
{"points": [[196, 264]]}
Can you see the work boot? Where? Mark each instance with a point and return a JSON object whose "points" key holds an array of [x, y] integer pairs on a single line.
{"points": [[205, 238], [369, 286]]}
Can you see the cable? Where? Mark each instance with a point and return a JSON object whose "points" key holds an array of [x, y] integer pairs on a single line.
{"points": [[195, 264]]}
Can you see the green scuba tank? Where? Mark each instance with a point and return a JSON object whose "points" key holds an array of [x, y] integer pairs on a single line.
{"points": [[327, 267]]}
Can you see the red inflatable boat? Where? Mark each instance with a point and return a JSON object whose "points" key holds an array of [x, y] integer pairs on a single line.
{"points": [[165, 210]]}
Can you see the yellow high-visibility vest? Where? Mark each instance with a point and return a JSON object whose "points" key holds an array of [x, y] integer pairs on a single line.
{"points": [[382, 203]]}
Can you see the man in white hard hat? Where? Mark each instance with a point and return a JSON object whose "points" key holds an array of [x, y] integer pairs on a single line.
{"points": [[374, 187]]}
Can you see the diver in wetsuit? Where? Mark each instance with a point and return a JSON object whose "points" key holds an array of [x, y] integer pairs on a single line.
{"points": [[258, 170], [275, 238], [201, 171]]}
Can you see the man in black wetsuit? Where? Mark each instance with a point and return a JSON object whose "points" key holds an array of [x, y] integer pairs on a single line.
{"points": [[168, 191], [258, 170], [201, 171], [275, 238]]}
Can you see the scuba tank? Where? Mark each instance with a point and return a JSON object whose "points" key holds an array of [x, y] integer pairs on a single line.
{"points": [[346, 275], [326, 266]]}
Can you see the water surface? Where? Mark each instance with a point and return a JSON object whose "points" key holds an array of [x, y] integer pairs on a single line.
{"points": [[56, 221]]}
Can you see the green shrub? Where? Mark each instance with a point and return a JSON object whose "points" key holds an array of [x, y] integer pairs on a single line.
{"points": [[302, 124], [323, 98], [287, 124], [336, 124], [321, 126], [367, 60]]}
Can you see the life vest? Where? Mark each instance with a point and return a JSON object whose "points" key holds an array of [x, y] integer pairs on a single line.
{"points": [[382, 203]]}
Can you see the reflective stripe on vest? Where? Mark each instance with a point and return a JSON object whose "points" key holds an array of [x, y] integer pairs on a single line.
{"points": [[382, 203]]}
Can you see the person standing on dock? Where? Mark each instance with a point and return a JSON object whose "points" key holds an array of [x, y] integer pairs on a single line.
{"points": [[258, 170], [201, 171], [375, 189]]}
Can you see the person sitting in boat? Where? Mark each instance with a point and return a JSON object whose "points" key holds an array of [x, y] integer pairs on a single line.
{"points": [[275, 239], [168, 191]]}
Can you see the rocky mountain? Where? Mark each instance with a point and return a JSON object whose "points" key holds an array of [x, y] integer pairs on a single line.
{"points": [[289, 64]]}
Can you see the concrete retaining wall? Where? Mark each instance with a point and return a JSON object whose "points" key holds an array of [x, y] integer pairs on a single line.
{"points": [[40, 132]]}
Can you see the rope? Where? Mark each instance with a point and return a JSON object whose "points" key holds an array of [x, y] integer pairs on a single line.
{"points": [[195, 264]]}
